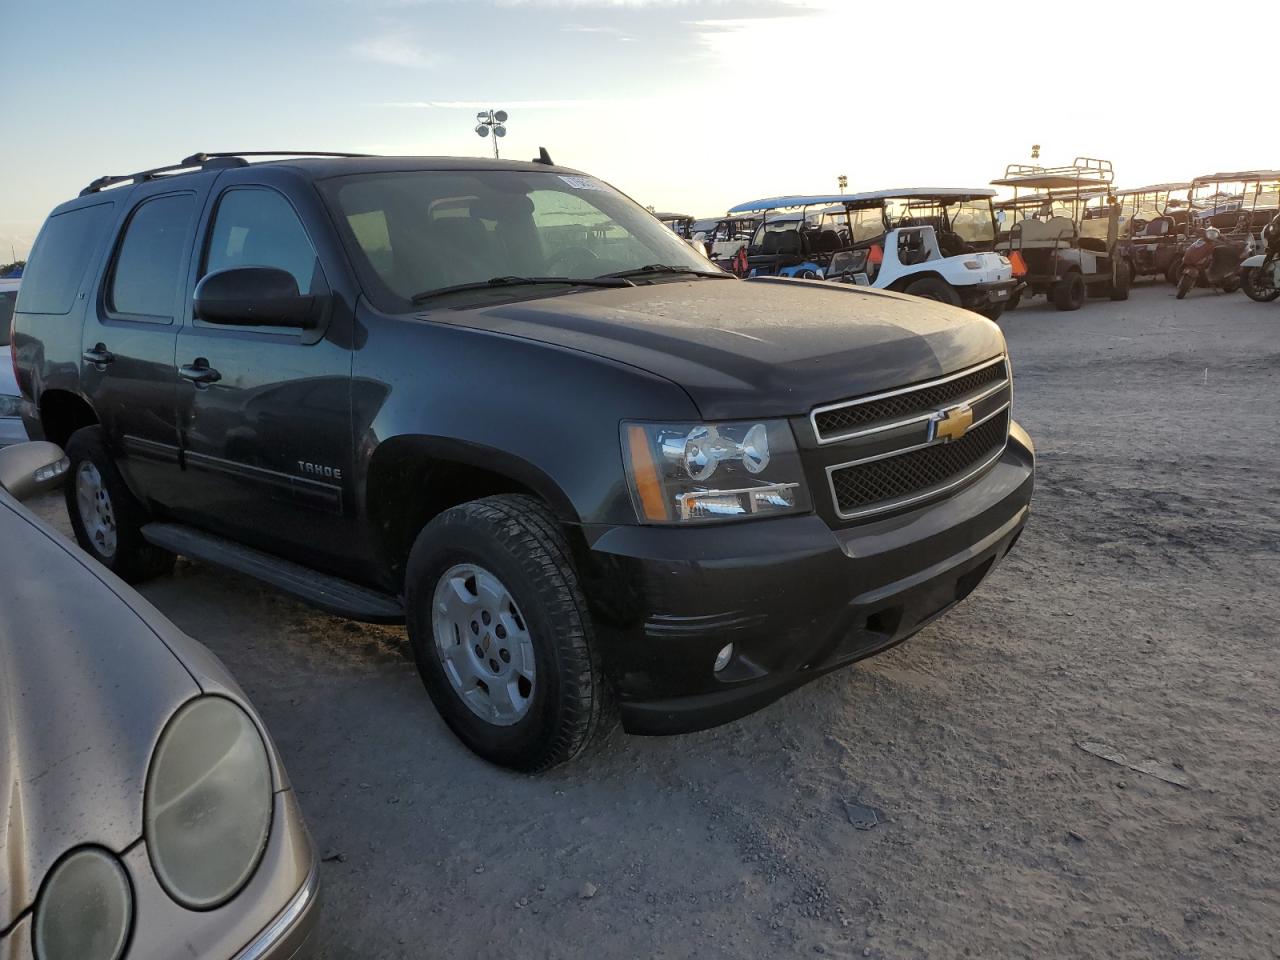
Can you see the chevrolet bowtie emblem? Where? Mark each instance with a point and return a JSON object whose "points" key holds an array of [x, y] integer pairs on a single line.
{"points": [[951, 423]]}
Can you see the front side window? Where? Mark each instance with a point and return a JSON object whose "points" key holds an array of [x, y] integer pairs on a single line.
{"points": [[147, 275], [257, 227], [420, 231]]}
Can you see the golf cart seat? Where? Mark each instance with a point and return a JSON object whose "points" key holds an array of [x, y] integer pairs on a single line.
{"points": [[781, 243], [1041, 234]]}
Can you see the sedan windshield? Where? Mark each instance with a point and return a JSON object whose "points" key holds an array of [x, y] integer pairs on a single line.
{"points": [[424, 231]]}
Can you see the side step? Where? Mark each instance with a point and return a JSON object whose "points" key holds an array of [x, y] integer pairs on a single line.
{"points": [[331, 594]]}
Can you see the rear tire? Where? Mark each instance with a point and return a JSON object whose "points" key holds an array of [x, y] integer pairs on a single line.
{"points": [[1185, 283], [1249, 283], [1123, 280], [932, 288], [534, 695], [105, 515], [1173, 271], [1014, 300], [1069, 292], [994, 312], [1231, 284]]}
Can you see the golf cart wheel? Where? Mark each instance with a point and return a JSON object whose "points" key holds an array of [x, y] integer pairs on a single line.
{"points": [[1255, 288], [106, 517], [501, 633], [994, 311], [1185, 283], [1173, 271], [1013, 301], [1069, 292], [933, 288], [1122, 282]]}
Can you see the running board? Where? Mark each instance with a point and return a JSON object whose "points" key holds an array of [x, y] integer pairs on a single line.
{"points": [[331, 594]]}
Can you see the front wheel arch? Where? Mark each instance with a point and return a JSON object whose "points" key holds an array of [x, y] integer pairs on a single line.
{"points": [[412, 479]]}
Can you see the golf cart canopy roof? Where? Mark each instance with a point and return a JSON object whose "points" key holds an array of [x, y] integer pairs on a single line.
{"points": [[1154, 188], [1049, 196], [674, 216], [871, 198], [1240, 176]]}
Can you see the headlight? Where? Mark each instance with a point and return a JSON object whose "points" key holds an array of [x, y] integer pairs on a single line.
{"points": [[10, 406], [208, 803], [85, 909], [687, 472]]}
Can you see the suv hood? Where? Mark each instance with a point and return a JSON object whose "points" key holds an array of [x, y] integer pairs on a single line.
{"points": [[754, 348], [86, 686]]}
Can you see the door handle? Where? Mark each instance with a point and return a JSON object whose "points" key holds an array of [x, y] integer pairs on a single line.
{"points": [[99, 356], [199, 372]]}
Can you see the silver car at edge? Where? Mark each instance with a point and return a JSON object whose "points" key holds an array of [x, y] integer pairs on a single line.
{"points": [[144, 810], [11, 428]]}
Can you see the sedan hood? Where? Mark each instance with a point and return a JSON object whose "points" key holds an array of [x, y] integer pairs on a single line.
{"points": [[86, 686], [754, 348]]}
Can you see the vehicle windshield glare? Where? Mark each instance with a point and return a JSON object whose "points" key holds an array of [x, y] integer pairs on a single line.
{"points": [[419, 231]]}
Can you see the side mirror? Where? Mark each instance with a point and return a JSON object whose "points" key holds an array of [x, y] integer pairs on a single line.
{"points": [[255, 297], [33, 467]]}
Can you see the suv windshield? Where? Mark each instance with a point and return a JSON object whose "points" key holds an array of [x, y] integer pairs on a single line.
{"points": [[423, 231]]}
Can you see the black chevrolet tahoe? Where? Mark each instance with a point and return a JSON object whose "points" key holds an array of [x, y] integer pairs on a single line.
{"points": [[501, 403]]}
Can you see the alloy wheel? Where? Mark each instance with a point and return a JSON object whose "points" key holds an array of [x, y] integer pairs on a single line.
{"points": [[484, 644], [96, 511]]}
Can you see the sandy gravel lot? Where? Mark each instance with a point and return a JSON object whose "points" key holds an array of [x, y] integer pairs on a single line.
{"points": [[1139, 610]]}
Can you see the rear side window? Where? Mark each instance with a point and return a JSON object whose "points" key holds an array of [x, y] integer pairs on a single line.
{"points": [[256, 227], [148, 269], [60, 258]]}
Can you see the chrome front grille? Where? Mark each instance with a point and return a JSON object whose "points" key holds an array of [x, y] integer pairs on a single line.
{"points": [[853, 418], [895, 480], [890, 450]]}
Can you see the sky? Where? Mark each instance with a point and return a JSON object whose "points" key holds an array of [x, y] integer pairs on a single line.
{"points": [[687, 105]]}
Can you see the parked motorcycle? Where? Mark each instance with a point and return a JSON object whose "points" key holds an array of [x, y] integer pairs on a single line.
{"points": [[1211, 262], [1260, 274]]}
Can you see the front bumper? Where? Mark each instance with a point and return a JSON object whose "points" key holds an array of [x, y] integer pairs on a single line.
{"points": [[796, 597]]}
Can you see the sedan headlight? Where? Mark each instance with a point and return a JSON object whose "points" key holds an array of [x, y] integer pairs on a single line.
{"points": [[208, 803], [689, 472], [85, 909]]}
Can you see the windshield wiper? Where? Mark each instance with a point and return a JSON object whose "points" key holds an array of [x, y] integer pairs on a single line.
{"points": [[658, 268], [494, 283]]}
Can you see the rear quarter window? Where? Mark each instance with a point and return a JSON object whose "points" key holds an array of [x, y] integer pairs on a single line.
{"points": [[61, 257]]}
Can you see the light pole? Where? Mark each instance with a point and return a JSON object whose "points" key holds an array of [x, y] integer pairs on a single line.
{"points": [[843, 181], [492, 121], [1035, 151]]}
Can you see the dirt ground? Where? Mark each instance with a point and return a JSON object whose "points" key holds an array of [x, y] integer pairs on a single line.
{"points": [[1139, 610]]}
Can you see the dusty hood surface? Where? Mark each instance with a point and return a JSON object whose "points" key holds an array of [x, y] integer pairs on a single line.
{"points": [[86, 687], [757, 347]]}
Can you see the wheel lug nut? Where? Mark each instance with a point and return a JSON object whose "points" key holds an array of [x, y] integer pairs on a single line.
{"points": [[484, 615]]}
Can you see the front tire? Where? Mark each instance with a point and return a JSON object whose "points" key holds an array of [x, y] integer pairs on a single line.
{"points": [[106, 517], [502, 636], [1122, 281], [1254, 288], [1185, 283], [1069, 292]]}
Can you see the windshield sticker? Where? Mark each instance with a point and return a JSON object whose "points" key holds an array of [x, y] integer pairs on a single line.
{"points": [[582, 183]]}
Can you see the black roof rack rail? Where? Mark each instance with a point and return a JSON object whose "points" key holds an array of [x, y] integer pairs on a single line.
{"points": [[206, 161]]}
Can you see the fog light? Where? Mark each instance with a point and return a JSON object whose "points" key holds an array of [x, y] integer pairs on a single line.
{"points": [[723, 657]]}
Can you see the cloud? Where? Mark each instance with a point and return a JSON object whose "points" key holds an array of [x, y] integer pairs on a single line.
{"points": [[579, 28], [394, 51]]}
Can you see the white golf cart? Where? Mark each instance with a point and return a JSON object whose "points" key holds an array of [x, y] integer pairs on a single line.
{"points": [[930, 242], [1062, 226]]}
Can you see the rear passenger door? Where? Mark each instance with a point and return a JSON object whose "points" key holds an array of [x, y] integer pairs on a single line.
{"points": [[127, 341], [266, 447]]}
